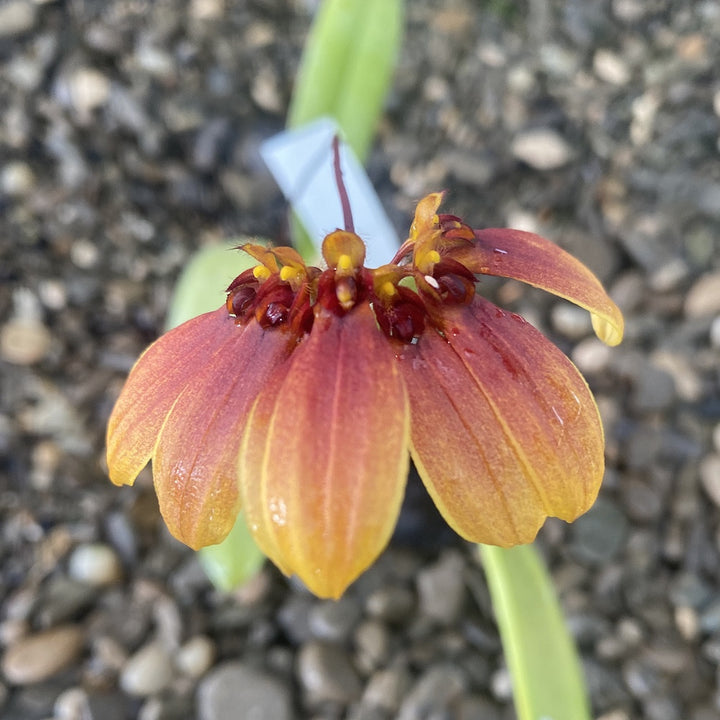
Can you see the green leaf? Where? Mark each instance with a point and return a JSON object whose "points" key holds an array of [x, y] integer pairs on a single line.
{"points": [[347, 65], [233, 561], [345, 73], [201, 286], [547, 678]]}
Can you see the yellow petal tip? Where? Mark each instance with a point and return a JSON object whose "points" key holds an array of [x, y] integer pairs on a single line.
{"points": [[611, 333]]}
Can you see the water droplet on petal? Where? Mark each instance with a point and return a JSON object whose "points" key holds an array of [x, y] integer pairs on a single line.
{"points": [[278, 511]]}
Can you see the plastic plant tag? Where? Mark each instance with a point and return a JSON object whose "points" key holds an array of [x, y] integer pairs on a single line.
{"points": [[301, 161]]}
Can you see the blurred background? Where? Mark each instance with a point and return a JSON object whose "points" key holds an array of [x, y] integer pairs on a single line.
{"points": [[129, 135]]}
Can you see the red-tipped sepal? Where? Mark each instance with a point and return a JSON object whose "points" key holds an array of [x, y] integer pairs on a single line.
{"points": [[504, 430]]}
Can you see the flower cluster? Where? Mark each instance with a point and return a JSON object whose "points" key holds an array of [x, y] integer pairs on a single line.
{"points": [[302, 400]]}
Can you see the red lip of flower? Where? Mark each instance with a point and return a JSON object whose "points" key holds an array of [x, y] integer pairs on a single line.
{"points": [[302, 401]]}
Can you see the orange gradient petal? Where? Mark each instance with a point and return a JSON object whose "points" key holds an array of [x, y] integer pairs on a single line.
{"points": [[195, 460], [534, 260], [154, 384], [324, 458], [504, 430]]}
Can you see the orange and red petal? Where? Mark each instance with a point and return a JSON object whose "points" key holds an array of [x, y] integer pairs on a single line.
{"points": [[504, 430], [195, 459], [324, 459], [534, 260], [154, 384]]}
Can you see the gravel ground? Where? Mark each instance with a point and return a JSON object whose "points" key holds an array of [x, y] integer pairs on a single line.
{"points": [[129, 136]]}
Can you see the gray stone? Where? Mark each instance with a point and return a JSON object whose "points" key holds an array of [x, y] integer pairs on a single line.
{"points": [[334, 620], [390, 603], [106, 706], [63, 600], [234, 690], [433, 692], [570, 320], [475, 707], [372, 645], [294, 617], [689, 590], [441, 588], [654, 389], [598, 536], [643, 502], [327, 675], [710, 618], [387, 688]]}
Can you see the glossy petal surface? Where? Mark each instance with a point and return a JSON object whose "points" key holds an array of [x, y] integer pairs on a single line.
{"points": [[534, 260], [155, 381], [195, 460], [504, 430], [324, 458]]}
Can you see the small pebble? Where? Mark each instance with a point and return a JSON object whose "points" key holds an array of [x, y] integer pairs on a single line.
{"points": [[542, 149], [433, 693], [703, 298], [598, 535], [501, 684], [334, 620], [710, 477], [387, 688], [71, 704], [196, 656], [441, 589], [148, 671], [591, 356], [571, 321], [610, 67], [206, 9], [17, 17], [233, 690], [327, 675], [390, 603], [16, 179], [95, 564], [34, 658], [88, 90], [24, 341], [715, 332], [372, 645]]}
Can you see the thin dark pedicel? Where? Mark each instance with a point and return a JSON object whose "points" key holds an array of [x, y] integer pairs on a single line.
{"points": [[342, 191]]}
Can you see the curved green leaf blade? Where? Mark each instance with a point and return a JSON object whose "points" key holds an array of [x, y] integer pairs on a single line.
{"points": [[347, 66], [201, 286], [547, 678], [233, 561]]}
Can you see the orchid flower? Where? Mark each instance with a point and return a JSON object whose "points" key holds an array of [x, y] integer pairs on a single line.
{"points": [[303, 399]]}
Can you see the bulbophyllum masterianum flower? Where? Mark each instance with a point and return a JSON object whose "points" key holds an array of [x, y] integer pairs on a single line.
{"points": [[302, 400]]}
